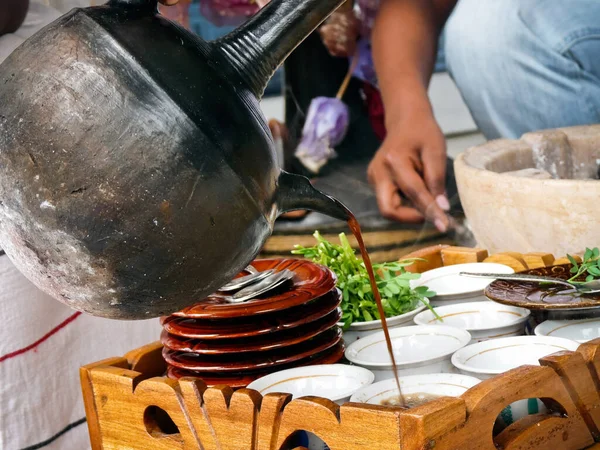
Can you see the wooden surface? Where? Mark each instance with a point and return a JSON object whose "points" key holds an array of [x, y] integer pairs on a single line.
{"points": [[384, 245], [123, 395]]}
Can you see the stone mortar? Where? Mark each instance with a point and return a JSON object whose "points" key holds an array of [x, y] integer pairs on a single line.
{"points": [[537, 193]]}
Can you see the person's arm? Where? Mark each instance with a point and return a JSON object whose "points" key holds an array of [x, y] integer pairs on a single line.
{"points": [[12, 15], [412, 159]]}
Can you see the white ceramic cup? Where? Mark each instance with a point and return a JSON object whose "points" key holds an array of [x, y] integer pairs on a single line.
{"points": [[483, 320], [336, 382], [417, 350], [489, 358], [576, 330], [435, 384], [359, 330], [452, 288]]}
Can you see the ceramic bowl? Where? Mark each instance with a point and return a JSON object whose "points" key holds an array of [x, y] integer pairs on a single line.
{"points": [[486, 359], [359, 330], [417, 350], [452, 288], [576, 330], [483, 320], [431, 385], [337, 382]]}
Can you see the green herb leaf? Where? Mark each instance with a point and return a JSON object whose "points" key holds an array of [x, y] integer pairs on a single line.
{"points": [[589, 266], [358, 301]]}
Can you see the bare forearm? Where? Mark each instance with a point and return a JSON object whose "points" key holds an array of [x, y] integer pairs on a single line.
{"points": [[12, 14], [404, 49]]}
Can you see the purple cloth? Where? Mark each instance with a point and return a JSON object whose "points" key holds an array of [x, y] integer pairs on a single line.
{"points": [[325, 127], [365, 68], [366, 11]]}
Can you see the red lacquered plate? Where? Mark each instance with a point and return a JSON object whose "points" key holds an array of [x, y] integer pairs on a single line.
{"points": [[240, 380], [270, 341], [253, 325], [310, 281], [255, 361]]}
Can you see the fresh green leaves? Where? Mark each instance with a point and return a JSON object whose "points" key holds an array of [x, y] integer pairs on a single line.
{"points": [[589, 266], [358, 301]]}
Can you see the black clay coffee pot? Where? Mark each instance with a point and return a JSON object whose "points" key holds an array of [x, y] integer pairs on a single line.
{"points": [[137, 171]]}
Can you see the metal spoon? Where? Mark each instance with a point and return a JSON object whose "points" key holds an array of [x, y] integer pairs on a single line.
{"points": [[588, 287], [267, 284], [241, 282]]}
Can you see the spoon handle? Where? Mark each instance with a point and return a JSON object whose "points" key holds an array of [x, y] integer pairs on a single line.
{"points": [[517, 277]]}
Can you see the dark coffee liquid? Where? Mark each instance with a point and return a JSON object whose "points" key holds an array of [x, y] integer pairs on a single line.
{"points": [[355, 228], [409, 400]]}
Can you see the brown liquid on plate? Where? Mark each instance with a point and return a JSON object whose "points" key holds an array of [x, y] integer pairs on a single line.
{"points": [[355, 228], [410, 400]]}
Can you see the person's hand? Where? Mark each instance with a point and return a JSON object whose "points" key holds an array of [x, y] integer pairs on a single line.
{"points": [[340, 32], [411, 162]]}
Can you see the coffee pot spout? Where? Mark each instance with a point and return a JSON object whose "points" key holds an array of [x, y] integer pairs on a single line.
{"points": [[259, 47], [294, 192]]}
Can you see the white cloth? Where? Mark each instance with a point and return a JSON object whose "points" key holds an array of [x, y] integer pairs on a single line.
{"points": [[43, 343], [39, 389]]}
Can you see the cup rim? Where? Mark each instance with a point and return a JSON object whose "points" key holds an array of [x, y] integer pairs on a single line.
{"points": [[463, 336]]}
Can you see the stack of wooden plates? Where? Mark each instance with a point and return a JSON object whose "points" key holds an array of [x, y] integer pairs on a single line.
{"points": [[236, 343]]}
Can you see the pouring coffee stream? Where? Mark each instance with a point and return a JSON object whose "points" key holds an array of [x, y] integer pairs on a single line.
{"points": [[356, 231]]}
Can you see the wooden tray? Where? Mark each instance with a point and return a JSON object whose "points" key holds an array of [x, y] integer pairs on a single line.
{"points": [[130, 404], [123, 396]]}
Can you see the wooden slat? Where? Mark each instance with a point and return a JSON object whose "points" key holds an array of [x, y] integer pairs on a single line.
{"points": [[537, 260], [431, 256], [463, 255], [511, 259]]}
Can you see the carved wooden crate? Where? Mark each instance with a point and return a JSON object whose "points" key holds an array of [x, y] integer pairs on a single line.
{"points": [[122, 397], [127, 401]]}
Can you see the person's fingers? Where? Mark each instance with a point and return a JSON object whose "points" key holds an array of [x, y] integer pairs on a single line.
{"points": [[389, 201], [408, 180], [434, 174], [408, 214]]}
